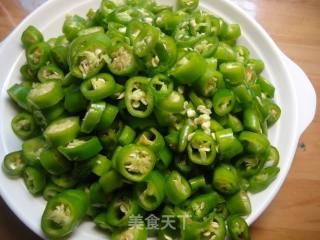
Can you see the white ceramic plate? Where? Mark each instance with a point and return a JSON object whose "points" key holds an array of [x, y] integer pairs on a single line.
{"points": [[290, 82]]}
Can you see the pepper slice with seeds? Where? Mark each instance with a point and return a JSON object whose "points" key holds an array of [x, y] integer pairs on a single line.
{"points": [[64, 213]]}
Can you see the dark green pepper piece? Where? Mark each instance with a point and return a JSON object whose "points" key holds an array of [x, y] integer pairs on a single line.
{"points": [[273, 156], [24, 126], [53, 162], [151, 138], [13, 164], [108, 117], [65, 180], [229, 145], [31, 36], [127, 135], [34, 179], [223, 101], [172, 103], [208, 84], [92, 117], [254, 142], [50, 73], [72, 26], [249, 165], [51, 190], [110, 181], [272, 111], [161, 86], [197, 183], [74, 101], [18, 93], [251, 120], [238, 228], [225, 53], [266, 87], [27, 73], [239, 203], [263, 179], [31, 150], [233, 73], [146, 40], [38, 55]]}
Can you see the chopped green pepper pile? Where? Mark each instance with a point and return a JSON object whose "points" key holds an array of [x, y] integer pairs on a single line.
{"points": [[140, 112]]}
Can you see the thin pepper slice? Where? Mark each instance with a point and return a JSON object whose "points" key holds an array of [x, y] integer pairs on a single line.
{"points": [[30, 36], [223, 101], [135, 162], [38, 55], [81, 149], [50, 73], [34, 179], [53, 162], [146, 40], [72, 26], [24, 126], [201, 148], [150, 192], [177, 188], [229, 146], [45, 95], [19, 93], [238, 228], [63, 213], [62, 131], [92, 117], [138, 97], [98, 87], [111, 181], [254, 142], [13, 164], [74, 101], [239, 203], [225, 179], [263, 179], [108, 117], [31, 150], [151, 138]]}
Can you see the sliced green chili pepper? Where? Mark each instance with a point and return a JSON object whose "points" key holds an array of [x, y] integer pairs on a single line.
{"points": [[98, 87], [229, 145], [107, 118], [182, 164], [161, 86], [208, 84], [62, 131], [14, 164], [151, 191], [225, 179], [201, 148], [72, 26], [24, 126], [254, 142], [206, 46], [120, 210], [167, 21], [50, 73], [34, 179], [184, 133], [110, 181], [60, 56], [263, 179], [18, 93], [86, 54], [172, 103], [223, 101], [53, 162], [238, 228], [81, 149], [31, 36], [51, 190], [165, 158], [65, 180], [64, 213], [45, 95], [92, 117], [266, 86], [189, 68], [239, 203], [234, 123], [233, 73], [197, 183], [146, 40], [109, 138], [38, 55], [272, 158], [177, 188], [251, 120], [122, 61], [126, 136], [91, 30], [74, 101], [272, 111], [225, 53], [31, 150], [151, 138], [135, 162], [256, 64], [249, 164], [27, 73], [138, 97], [163, 56]]}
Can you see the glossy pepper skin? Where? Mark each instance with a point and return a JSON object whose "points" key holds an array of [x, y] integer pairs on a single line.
{"points": [[201, 148], [229, 145], [263, 179], [62, 131], [150, 193], [177, 188], [24, 126], [13, 164], [239, 203], [254, 142], [92, 117], [81, 149], [110, 181], [38, 55], [223, 101], [151, 138], [189, 68], [72, 26], [238, 228], [63, 213], [31, 36], [98, 87], [85, 55], [45, 95], [19, 93], [50, 73], [34, 179], [138, 97], [225, 179], [31, 150], [134, 162], [53, 162]]}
